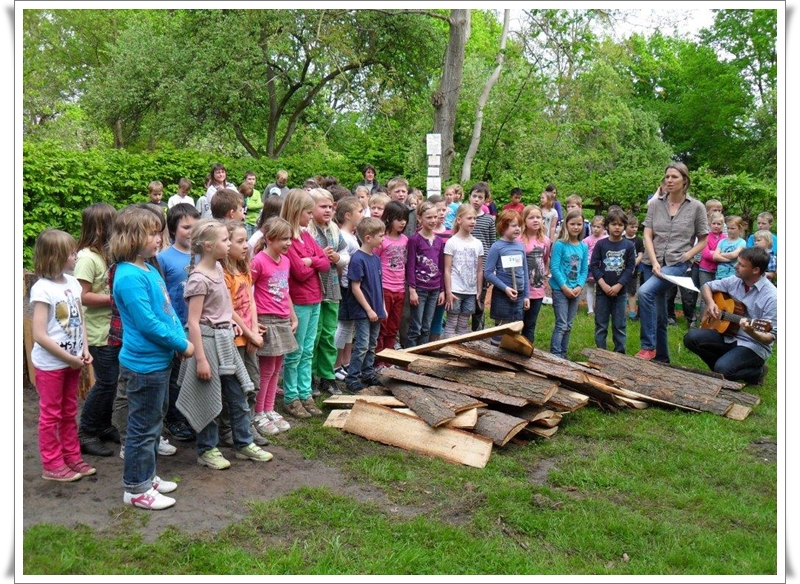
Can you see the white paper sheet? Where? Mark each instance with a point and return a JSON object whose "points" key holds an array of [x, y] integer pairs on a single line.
{"points": [[681, 281]]}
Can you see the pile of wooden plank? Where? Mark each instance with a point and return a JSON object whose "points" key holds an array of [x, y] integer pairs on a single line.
{"points": [[457, 398]]}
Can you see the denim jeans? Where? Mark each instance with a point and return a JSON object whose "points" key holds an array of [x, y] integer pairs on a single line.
{"points": [[529, 318], [362, 360], [653, 309], [610, 307], [148, 397], [297, 364], [96, 413], [233, 395], [565, 310], [729, 359], [419, 326]]}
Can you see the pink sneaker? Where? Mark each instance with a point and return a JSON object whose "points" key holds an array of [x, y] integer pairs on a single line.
{"points": [[646, 354], [80, 466], [62, 475]]}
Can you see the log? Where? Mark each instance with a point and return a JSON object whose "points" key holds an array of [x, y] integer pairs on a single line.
{"points": [[726, 383], [460, 352], [458, 402], [429, 381], [423, 404], [559, 361], [513, 327], [740, 397], [563, 371], [516, 343], [627, 394], [466, 419], [535, 390], [565, 400], [498, 426], [385, 425], [349, 400]]}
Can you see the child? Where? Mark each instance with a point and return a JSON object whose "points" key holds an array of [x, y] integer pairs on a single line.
{"points": [[215, 372], [306, 261], [91, 271], [728, 249], [272, 208], [398, 191], [507, 270], [253, 203], [613, 262], [631, 231], [440, 231], [485, 232], [537, 251], [576, 202], [598, 232], [236, 267], [424, 274], [59, 353], [327, 235], [182, 196], [151, 334], [174, 263], [414, 198], [569, 266], [349, 214], [377, 203], [277, 321], [392, 255], [365, 304], [549, 214], [516, 201], [452, 196], [463, 272], [227, 204], [707, 267], [764, 222], [763, 239], [155, 190], [362, 193]]}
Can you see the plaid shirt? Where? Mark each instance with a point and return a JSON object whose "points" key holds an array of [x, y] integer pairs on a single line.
{"points": [[115, 330]]}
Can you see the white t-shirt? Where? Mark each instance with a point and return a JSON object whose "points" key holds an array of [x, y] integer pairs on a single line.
{"points": [[64, 320], [464, 269], [176, 199]]}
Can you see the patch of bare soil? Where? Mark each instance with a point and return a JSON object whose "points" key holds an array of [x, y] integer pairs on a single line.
{"points": [[765, 449], [207, 500]]}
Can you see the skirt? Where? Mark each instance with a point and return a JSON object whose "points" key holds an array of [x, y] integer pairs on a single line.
{"points": [[278, 338], [505, 309]]}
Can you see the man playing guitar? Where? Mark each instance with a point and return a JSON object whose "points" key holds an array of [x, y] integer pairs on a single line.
{"points": [[741, 355]]}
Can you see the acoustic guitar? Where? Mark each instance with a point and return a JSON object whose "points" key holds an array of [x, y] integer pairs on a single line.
{"points": [[731, 313]]}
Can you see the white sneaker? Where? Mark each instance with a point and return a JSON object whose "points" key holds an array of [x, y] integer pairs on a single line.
{"points": [[274, 417], [264, 425], [340, 373], [163, 486], [547, 300], [165, 448], [152, 499], [122, 452]]}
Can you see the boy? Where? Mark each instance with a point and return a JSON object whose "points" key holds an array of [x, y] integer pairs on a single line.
{"points": [[631, 230], [155, 190], [365, 304], [763, 239], [183, 194], [279, 186], [485, 233], [764, 222], [612, 264], [398, 191], [227, 204], [174, 261], [516, 201], [377, 203], [576, 202]]}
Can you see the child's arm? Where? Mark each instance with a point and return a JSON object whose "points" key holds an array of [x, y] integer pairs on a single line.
{"points": [[490, 268], [449, 298], [195, 306], [292, 316], [480, 282], [89, 298], [257, 339], [411, 270], [358, 294], [41, 312], [728, 256]]}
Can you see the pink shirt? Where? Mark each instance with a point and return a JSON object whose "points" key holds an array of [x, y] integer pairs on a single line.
{"points": [[270, 284], [590, 242], [393, 262], [305, 286], [707, 262]]}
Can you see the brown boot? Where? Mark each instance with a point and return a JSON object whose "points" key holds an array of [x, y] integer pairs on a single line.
{"points": [[296, 409], [311, 407]]}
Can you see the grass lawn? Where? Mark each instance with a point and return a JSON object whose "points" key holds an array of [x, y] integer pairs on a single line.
{"points": [[653, 491]]}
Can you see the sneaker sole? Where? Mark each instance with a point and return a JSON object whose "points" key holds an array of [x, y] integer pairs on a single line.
{"points": [[241, 456], [202, 462], [71, 479]]}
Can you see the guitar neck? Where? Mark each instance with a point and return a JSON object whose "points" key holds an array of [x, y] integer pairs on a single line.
{"points": [[730, 317]]}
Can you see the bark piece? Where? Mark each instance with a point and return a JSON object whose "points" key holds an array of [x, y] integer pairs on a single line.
{"points": [[457, 402], [349, 400], [516, 343], [466, 419], [539, 431], [549, 422], [566, 400], [385, 425], [498, 426], [740, 397], [460, 352]]}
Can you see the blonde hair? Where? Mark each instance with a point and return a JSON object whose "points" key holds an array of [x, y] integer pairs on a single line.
{"points": [[379, 199], [462, 210], [204, 231], [423, 206], [132, 227], [540, 235], [370, 226], [155, 186], [736, 220], [715, 216], [564, 236], [297, 201], [51, 252], [317, 195], [764, 234], [599, 218], [397, 181], [242, 265], [457, 189]]}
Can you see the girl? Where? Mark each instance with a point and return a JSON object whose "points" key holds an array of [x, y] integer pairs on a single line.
{"points": [[507, 270], [91, 271], [306, 261], [349, 213], [437, 324], [272, 208], [598, 229], [277, 321], [151, 334], [549, 214], [215, 372], [537, 251], [728, 249], [424, 274], [392, 254], [363, 194], [463, 272], [569, 266], [236, 266], [326, 234], [707, 266], [452, 196], [59, 353], [219, 180]]}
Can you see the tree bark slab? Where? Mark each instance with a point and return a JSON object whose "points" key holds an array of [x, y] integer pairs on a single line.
{"points": [[465, 420], [498, 426], [512, 327]]}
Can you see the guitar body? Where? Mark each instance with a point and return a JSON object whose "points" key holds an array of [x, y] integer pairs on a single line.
{"points": [[731, 312]]}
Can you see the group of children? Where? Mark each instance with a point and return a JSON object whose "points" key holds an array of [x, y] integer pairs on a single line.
{"points": [[194, 324]]}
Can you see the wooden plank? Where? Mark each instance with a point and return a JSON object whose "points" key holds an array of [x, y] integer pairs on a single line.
{"points": [[461, 353], [513, 327], [429, 381], [738, 412], [498, 426], [456, 401], [423, 403], [566, 400], [465, 420], [533, 413], [548, 422], [516, 343], [385, 425], [539, 431], [27, 343], [395, 357], [349, 400]]}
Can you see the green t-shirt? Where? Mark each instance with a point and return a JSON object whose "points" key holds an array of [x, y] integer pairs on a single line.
{"points": [[254, 206], [92, 268]]}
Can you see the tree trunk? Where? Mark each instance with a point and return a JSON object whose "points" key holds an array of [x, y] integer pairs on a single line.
{"points": [[466, 169], [445, 98], [119, 141]]}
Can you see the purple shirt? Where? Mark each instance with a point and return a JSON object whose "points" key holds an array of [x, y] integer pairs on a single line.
{"points": [[425, 263]]}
